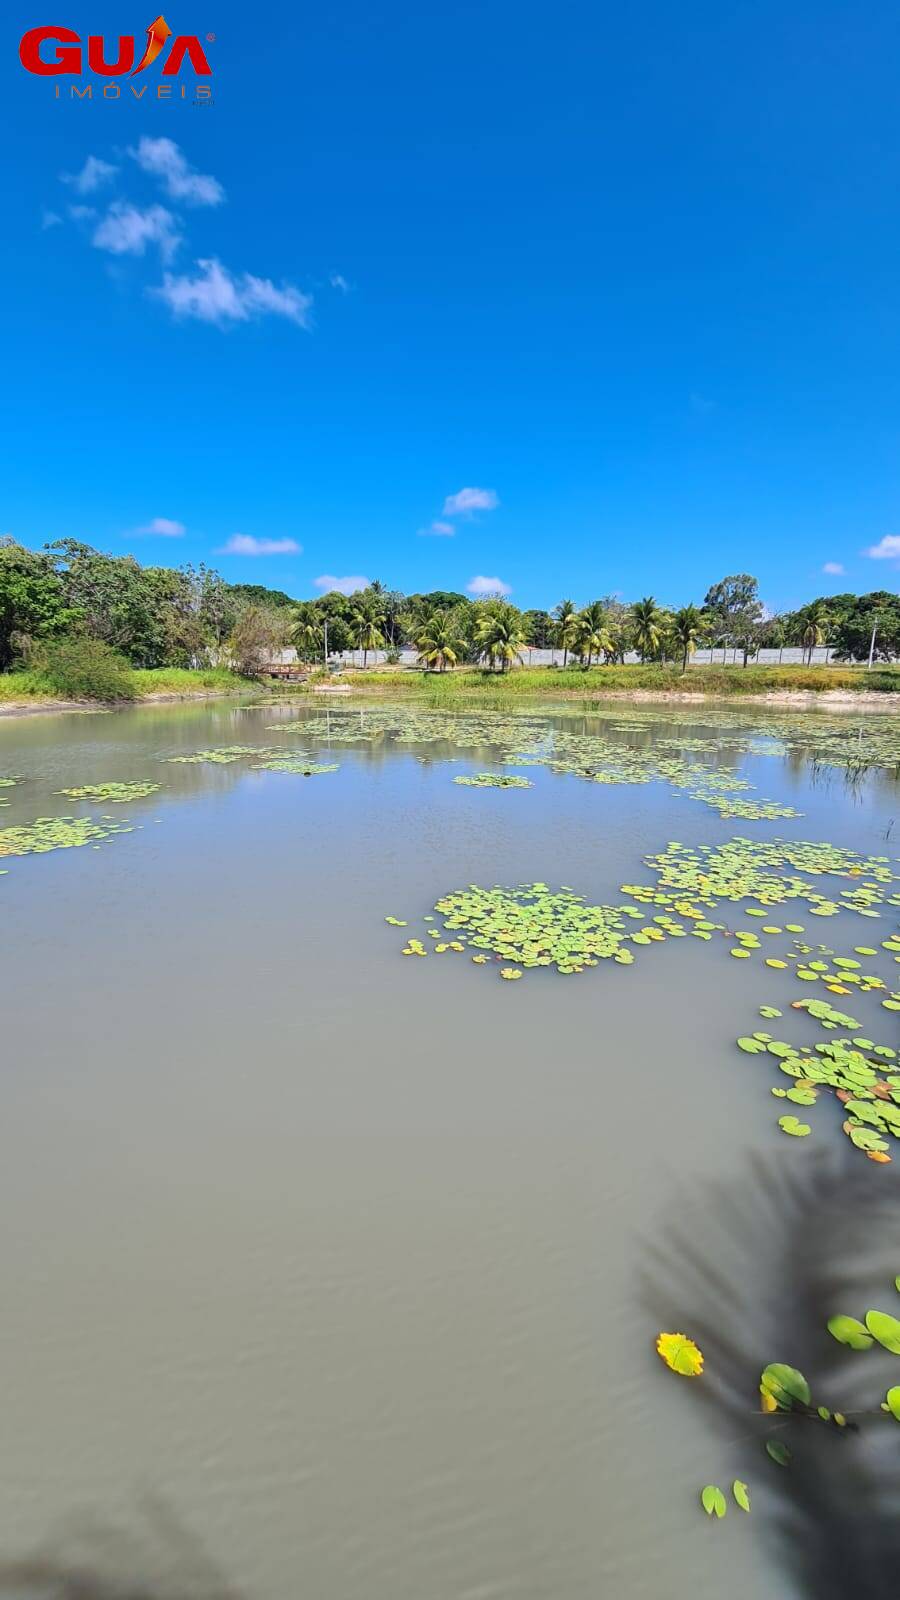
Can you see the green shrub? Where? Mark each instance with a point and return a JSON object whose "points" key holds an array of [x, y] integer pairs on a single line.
{"points": [[81, 668]]}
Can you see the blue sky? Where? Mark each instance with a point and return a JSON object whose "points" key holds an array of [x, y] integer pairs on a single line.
{"points": [[627, 275]]}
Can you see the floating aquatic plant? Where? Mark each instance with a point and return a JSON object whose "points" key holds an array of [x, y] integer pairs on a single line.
{"points": [[55, 833], [305, 769], [117, 793], [536, 926], [859, 1073], [490, 780], [223, 756], [680, 1354]]}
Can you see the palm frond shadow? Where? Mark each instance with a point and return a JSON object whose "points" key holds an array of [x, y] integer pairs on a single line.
{"points": [[753, 1270], [88, 1559]]}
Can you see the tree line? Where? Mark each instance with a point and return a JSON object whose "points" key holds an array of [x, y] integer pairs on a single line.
{"points": [[190, 616]]}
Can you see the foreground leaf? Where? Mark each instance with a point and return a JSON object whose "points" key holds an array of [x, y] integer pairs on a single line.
{"points": [[741, 1494], [713, 1501], [849, 1332], [680, 1354]]}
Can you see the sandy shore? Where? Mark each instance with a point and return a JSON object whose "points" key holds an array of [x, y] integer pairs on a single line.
{"points": [[38, 708]]}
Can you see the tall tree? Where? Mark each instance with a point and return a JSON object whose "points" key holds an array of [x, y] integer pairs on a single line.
{"points": [[500, 635], [439, 641], [648, 622], [736, 611], [566, 628], [687, 626]]}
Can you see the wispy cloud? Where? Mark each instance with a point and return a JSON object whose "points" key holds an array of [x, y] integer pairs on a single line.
{"points": [[216, 295], [162, 528], [887, 549], [483, 586], [93, 175], [437, 530], [328, 583], [163, 160], [245, 544], [833, 569], [338, 281], [127, 231], [50, 219], [465, 501]]}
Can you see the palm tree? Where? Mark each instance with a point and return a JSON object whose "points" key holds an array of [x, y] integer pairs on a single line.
{"points": [[687, 625], [306, 637], [439, 642], [566, 628], [593, 636], [500, 636], [366, 632], [647, 619], [815, 625]]}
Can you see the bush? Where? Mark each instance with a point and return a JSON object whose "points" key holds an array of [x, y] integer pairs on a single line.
{"points": [[81, 668]]}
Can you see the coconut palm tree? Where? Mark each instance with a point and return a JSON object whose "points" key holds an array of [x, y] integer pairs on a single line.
{"points": [[687, 626], [439, 641], [500, 636], [815, 625], [647, 619], [306, 637], [366, 633], [593, 636], [566, 627]]}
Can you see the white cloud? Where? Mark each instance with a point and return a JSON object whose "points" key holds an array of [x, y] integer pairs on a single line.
{"points": [[163, 160], [245, 544], [833, 569], [163, 528], [93, 175], [82, 213], [338, 281], [127, 231], [328, 582], [216, 296], [482, 586], [887, 549], [50, 219], [438, 530], [466, 501]]}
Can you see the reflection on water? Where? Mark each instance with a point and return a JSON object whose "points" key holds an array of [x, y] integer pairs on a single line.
{"points": [[340, 1257]]}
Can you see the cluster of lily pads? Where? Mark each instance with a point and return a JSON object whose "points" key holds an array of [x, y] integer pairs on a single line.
{"points": [[223, 755], [491, 780], [7, 783], [852, 1068], [304, 766], [56, 833], [531, 742], [117, 793], [533, 926], [749, 869]]}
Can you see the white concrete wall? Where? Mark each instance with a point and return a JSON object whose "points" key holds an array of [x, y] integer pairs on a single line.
{"points": [[791, 656]]}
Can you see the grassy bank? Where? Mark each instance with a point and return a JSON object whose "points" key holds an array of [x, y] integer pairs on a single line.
{"points": [[554, 683], [31, 686]]}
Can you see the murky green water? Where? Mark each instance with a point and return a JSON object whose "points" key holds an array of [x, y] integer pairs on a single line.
{"points": [[338, 1274]]}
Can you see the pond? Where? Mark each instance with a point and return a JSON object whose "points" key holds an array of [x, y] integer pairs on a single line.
{"points": [[336, 1272]]}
